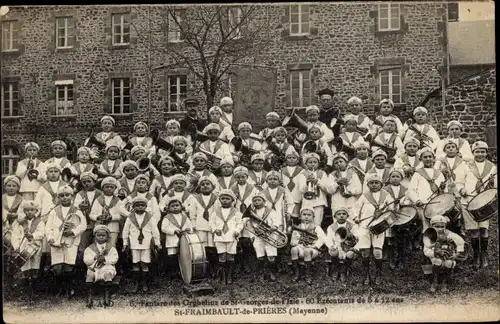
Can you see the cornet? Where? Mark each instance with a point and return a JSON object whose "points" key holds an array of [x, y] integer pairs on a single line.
{"points": [[66, 223], [32, 172], [312, 188]]}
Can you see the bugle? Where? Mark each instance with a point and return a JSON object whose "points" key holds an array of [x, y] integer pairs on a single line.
{"points": [[32, 172], [261, 229], [143, 164], [213, 162], [312, 188]]}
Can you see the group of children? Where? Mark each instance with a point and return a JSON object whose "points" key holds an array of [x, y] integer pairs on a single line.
{"points": [[127, 216]]}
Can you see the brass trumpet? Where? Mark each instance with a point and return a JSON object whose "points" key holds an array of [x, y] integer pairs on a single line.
{"points": [[97, 264], [59, 241], [312, 189], [261, 229]]}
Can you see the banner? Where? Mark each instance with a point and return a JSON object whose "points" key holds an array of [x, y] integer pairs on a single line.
{"points": [[254, 95]]}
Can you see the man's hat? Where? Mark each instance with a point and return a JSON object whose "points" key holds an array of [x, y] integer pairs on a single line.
{"points": [[191, 101], [326, 91]]}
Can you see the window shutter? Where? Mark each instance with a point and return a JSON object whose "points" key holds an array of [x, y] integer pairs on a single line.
{"points": [[53, 103], [71, 32], [184, 26], [16, 34]]}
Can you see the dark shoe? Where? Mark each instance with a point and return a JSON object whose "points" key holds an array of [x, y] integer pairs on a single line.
{"points": [[271, 270], [296, 271], [222, 270], [308, 273], [366, 267], [145, 283], [135, 281], [378, 272], [434, 283], [484, 252], [230, 267], [476, 261]]}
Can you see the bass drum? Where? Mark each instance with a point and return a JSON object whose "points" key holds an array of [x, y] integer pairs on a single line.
{"points": [[407, 223], [192, 258]]}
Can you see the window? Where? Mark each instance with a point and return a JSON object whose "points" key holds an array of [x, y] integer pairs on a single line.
{"points": [[64, 32], [64, 97], [9, 36], [10, 99], [174, 29], [121, 29], [10, 157], [121, 96], [453, 11], [235, 16], [390, 85], [300, 88], [177, 92], [389, 17], [299, 20]]}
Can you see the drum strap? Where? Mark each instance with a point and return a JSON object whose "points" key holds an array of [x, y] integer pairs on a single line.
{"points": [[148, 195], [279, 193], [124, 185], [222, 182], [34, 224], [486, 171], [361, 118], [248, 189], [371, 200], [406, 160], [402, 191], [18, 199], [389, 143]]}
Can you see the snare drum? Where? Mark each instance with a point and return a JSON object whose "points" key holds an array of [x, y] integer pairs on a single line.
{"points": [[383, 223], [407, 221], [445, 205], [484, 205], [27, 253], [192, 259]]}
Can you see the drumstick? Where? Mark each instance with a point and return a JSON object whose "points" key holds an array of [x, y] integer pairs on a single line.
{"points": [[483, 182]]}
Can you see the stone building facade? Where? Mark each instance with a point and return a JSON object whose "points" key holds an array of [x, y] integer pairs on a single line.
{"points": [[56, 53]]}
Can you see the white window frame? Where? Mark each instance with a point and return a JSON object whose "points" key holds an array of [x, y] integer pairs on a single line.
{"points": [[389, 6], [121, 96], [301, 11], [174, 34], [391, 93], [9, 154], [178, 94], [301, 88], [10, 93], [8, 36], [66, 102], [67, 26], [235, 20], [122, 23]]}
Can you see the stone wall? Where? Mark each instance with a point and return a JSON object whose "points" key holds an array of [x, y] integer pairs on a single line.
{"points": [[345, 50], [472, 101]]}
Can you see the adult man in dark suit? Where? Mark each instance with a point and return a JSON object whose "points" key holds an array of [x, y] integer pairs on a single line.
{"points": [[330, 114], [191, 105]]}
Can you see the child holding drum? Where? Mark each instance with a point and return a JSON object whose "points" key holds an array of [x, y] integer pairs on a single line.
{"points": [[368, 209], [481, 176]]}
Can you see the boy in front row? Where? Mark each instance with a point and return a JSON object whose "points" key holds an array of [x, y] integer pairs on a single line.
{"points": [[139, 230], [64, 227], [306, 240], [226, 225], [100, 258]]}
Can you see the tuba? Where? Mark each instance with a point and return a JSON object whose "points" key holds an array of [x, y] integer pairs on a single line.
{"points": [[306, 238], [261, 229], [213, 162]]}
